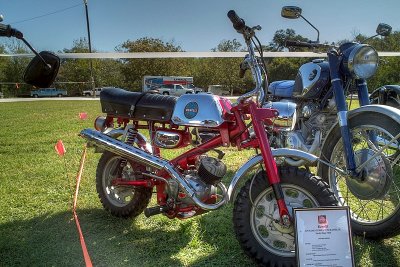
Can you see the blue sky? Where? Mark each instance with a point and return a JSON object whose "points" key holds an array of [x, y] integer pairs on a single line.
{"points": [[194, 25]]}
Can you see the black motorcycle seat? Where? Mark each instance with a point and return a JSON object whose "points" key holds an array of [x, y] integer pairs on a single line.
{"points": [[137, 106], [119, 96], [281, 88]]}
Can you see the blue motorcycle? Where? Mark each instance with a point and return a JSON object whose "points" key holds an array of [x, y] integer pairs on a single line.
{"points": [[360, 147], [386, 95]]}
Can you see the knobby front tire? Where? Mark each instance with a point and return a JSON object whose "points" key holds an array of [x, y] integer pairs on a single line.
{"points": [[262, 238]]}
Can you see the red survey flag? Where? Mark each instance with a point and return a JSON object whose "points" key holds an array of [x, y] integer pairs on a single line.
{"points": [[60, 149], [83, 115]]}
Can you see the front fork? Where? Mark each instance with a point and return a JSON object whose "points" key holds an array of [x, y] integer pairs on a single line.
{"points": [[258, 116], [338, 91]]}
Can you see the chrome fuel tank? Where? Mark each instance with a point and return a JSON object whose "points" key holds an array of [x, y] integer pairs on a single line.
{"points": [[203, 110], [311, 79], [287, 117]]}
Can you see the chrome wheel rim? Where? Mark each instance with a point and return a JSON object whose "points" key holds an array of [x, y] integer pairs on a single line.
{"points": [[264, 220], [119, 196], [379, 207]]}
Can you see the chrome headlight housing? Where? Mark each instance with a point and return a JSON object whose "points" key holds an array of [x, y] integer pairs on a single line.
{"points": [[362, 61]]}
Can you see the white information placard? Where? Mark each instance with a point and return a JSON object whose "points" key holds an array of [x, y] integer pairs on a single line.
{"points": [[323, 237]]}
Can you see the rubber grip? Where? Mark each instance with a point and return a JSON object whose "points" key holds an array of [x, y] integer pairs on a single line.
{"points": [[5, 30], [237, 22]]}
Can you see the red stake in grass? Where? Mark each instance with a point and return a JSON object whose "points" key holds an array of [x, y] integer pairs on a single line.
{"points": [[60, 149], [83, 115]]}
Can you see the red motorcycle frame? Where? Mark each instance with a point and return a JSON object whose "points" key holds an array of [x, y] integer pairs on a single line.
{"points": [[233, 131]]}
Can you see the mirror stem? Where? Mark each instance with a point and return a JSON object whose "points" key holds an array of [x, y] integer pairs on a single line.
{"points": [[363, 41], [311, 26], [47, 66]]}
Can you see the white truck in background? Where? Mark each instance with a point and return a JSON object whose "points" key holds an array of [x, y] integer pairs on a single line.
{"points": [[164, 83], [174, 89]]}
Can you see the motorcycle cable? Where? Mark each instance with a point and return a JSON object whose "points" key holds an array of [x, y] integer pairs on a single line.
{"points": [[259, 49]]}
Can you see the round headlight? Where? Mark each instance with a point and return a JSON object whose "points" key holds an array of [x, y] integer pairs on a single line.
{"points": [[363, 61]]}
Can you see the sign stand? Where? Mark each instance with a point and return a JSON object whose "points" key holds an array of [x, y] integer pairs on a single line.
{"points": [[323, 237]]}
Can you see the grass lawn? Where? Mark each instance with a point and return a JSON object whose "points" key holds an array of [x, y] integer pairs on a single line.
{"points": [[36, 188]]}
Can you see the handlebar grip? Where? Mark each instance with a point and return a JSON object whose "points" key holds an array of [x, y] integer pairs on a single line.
{"points": [[237, 22], [297, 43], [7, 31]]}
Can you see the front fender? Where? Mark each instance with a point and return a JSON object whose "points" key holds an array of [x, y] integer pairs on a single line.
{"points": [[257, 159], [382, 110]]}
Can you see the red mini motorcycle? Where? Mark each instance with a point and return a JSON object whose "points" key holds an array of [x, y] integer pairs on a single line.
{"points": [[131, 167]]}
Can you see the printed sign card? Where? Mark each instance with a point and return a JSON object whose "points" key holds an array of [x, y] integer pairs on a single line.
{"points": [[323, 237]]}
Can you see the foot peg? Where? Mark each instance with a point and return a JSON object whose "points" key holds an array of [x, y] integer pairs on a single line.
{"points": [[154, 211]]}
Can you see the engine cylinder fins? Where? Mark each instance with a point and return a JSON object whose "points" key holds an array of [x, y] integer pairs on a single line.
{"points": [[211, 170]]}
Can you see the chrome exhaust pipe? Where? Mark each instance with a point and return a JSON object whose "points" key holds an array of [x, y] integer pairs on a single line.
{"points": [[122, 149]]}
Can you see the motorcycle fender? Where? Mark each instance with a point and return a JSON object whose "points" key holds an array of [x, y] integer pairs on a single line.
{"points": [[257, 159], [388, 88], [383, 110]]}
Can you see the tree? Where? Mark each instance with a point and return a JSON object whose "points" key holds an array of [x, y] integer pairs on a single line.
{"points": [[280, 37], [228, 46], [14, 68], [225, 71], [133, 70], [106, 72]]}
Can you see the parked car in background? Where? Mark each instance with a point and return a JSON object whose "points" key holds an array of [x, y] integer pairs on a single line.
{"points": [[218, 90], [194, 88], [48, 92], [174, 89], [90, 92]]}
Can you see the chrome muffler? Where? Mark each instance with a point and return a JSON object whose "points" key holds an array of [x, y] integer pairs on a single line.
{"points": [[124, 150]]}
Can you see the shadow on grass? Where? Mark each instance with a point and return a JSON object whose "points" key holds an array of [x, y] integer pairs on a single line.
{"points": [[376, 253], [52, 240], [207, 240]]}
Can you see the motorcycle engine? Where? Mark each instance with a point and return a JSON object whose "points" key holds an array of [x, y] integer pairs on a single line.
{"points": [[203, 180], [311, 120]]}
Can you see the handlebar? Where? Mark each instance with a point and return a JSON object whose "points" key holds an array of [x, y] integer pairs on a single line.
{"points": [[299, 44], [306, 44], [250, 60], [7, 31], [237, 22]]}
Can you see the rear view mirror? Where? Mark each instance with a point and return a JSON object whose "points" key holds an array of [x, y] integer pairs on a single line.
{"points": [[40, 75], [383, 29], [291, 12]]}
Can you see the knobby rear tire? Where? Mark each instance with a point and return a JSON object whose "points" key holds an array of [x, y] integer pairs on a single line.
{"points": [[140, 195]]}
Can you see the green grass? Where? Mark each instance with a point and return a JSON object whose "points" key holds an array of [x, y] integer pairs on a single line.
{"points": [[36, 188]]}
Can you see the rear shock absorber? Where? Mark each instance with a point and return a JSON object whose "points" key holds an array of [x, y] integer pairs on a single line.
{"points": [[130, 136]]}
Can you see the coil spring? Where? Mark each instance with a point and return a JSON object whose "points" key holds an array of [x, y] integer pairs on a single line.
{"points": [[130, 136], [129, 139]]}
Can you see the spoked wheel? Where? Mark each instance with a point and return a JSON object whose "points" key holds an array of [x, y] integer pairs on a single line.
{"points": [[374, 198], [121, 201], [256, 217]]}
